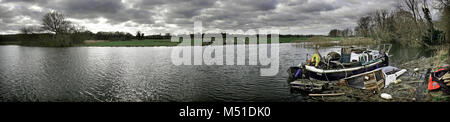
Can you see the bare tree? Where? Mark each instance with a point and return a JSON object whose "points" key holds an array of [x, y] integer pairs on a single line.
{"points": [[427, 14], [56, 22], [443, 3], [413, 7], [363, 28], [76, 29], [334, 33], [380, 18]]}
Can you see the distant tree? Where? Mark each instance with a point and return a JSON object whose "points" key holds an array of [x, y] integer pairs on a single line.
{"points": [[30, 30], [76, 29], [347, 32], [26, 30], [138, 35], [333, 33], [340, 33], [142, 36], [56, 22], [128, 36]]}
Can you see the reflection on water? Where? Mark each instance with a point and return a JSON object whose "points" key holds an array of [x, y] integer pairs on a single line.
{"points": [[141, 74]]}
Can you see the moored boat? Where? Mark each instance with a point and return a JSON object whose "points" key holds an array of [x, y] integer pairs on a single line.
{"points": [[350, 61]]}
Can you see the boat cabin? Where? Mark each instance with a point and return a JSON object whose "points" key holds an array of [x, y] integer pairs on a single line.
{"points": [[372, 81]]}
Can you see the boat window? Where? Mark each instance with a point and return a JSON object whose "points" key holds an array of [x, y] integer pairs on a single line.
{"points": [[366, 57]]}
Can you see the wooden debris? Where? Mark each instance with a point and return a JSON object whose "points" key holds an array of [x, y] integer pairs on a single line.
{"points": [[371, 81], [446, 78], [342, 82], [309, 85]]}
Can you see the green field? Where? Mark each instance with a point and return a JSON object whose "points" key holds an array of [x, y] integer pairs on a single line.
{"points": [[152, 42], [319, 40], [134, 43], [293, 39]]}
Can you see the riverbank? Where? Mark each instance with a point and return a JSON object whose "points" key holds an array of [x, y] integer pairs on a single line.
{"points": [[412, 86], [322, 41], [132, 43]]}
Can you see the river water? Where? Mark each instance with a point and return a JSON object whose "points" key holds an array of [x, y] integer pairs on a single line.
{"points": [[145, 74]]}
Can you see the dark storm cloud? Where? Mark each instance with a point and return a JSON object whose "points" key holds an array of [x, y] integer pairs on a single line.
{"points": [[316, 15], [25, 1], [13, 18], [250, 5], [83, 7], [317, 7], [113, 10], [177, 8]]}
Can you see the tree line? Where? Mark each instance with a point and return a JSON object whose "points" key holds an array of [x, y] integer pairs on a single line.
{"points": [[410, 23], [341, 33], [56, 30]]}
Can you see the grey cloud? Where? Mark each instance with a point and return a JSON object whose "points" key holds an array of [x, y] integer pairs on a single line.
{"points": [[315, 15], [8, 15], [82, 7], [318, 7], [251, 5], [25, 1], [113, 10]]}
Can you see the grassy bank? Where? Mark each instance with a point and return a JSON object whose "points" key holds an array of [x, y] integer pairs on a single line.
{"points": [[434, 63], [341, 41], [44, 40], [10, 43], [358, 41], [293, 39]]}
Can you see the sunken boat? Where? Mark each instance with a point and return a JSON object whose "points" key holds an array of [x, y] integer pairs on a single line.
{"points": [[338, 65]]}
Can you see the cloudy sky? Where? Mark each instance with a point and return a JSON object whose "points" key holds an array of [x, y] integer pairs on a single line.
{"points": [[165, 16]]}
